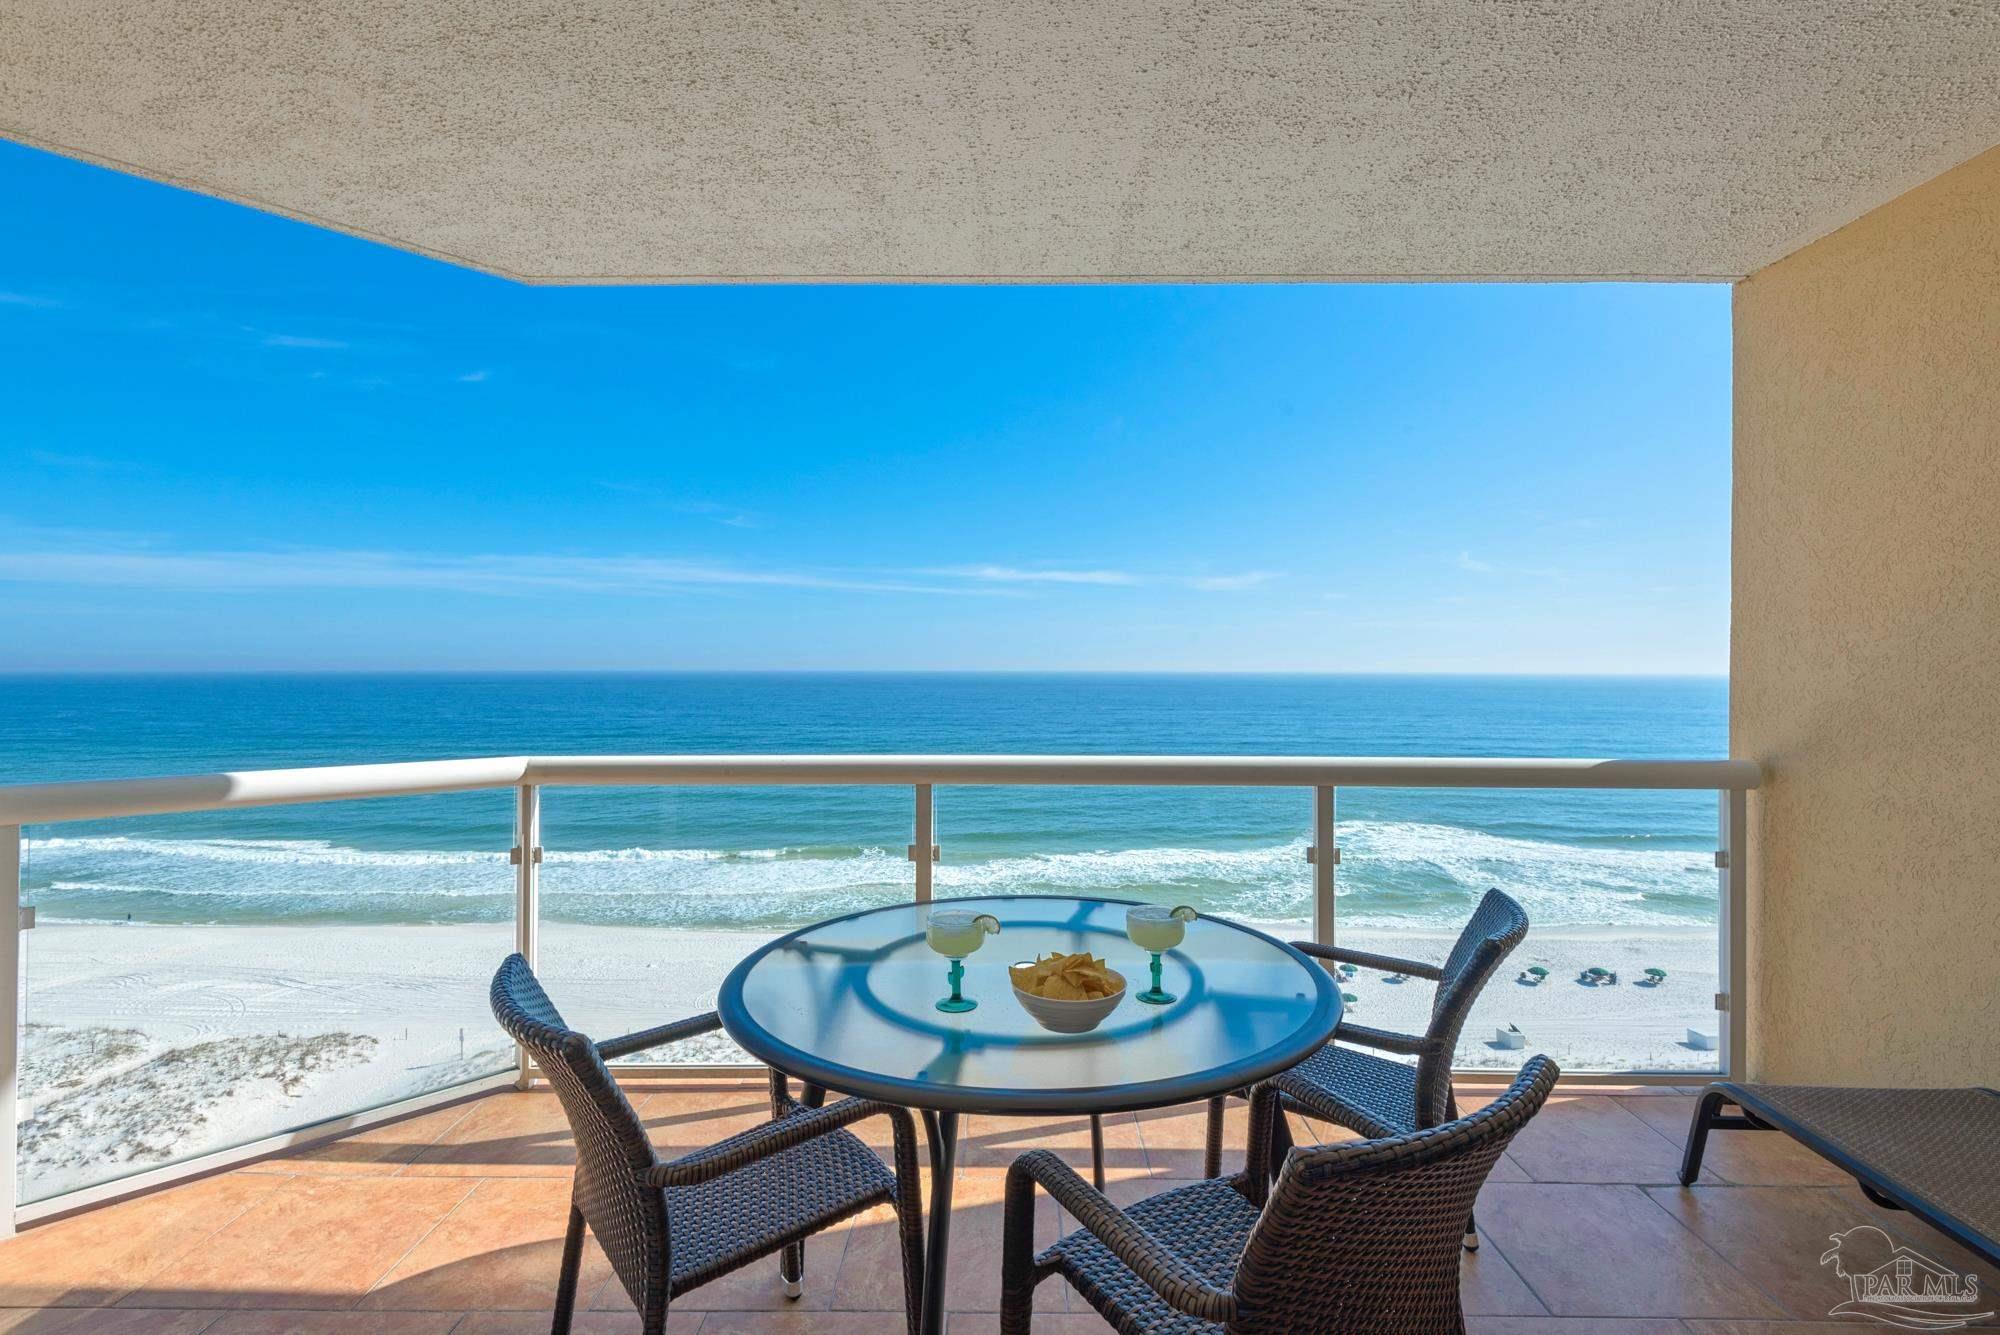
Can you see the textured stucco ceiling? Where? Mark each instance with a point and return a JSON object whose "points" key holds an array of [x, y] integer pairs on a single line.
{"points": [[664, 141]]}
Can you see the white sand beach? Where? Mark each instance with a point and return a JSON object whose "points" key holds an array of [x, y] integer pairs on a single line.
{"points": [[147, 1044]]}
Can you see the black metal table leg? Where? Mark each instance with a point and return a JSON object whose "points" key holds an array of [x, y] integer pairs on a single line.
{"points": [[941, 1128]]}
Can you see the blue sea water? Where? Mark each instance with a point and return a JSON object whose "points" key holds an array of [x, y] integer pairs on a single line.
{"points": [[778, 856]]}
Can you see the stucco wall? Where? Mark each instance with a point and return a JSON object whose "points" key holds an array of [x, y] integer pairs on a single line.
{"points": [[1865, 658]]}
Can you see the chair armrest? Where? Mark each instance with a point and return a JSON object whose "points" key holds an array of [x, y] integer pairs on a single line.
{"points": [[1368, 960], [612, 1048], [1409, 1045], [773, 1137], [1180, 1284]]}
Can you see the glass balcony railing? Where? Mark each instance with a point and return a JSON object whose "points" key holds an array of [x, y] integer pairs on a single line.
{"points": [[225, 965]]}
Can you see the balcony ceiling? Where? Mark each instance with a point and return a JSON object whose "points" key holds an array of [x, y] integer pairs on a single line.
{"points": [[654, 141]]}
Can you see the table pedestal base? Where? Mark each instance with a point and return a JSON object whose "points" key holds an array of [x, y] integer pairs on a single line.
{"points": [[941, 1129]]}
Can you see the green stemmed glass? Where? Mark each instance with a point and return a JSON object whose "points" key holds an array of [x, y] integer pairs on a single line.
{"points": [[956, 933], [1158, 930]]}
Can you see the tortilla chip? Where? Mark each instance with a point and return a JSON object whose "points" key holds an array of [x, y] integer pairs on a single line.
{"points": [[1061, 988], [1079, 977]]}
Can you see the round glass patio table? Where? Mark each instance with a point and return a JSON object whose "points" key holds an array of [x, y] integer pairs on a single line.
{"points": [[850, 1005]]}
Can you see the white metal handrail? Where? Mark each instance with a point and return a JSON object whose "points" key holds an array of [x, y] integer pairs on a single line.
{"points": [[46, 803], [52, 803]]}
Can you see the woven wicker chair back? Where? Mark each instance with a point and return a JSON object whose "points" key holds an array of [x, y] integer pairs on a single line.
{"points": [[1496, 927], [1365, 1237], [613, 1152]]}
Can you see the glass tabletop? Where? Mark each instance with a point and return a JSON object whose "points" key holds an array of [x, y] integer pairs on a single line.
{"points": [[851, 1004]]}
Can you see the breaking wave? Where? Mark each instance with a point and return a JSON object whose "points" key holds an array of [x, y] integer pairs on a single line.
{"points": [[1392, 873]]}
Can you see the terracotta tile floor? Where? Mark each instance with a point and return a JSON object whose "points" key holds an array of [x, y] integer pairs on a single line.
{"points": [[452, 1223]]}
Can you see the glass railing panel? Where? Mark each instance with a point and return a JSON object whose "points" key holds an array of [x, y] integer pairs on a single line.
{"points": [[1616, 884], [195, 983], [649, 896]]}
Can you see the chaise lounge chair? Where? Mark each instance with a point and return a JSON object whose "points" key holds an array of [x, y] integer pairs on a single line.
{"points": [[1933, 1152]]}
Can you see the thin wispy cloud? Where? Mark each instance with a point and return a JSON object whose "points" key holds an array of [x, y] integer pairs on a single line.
{"points": [[61, 558], [254, 571], [730, 516], [304, 341], [1249, 579], [994, 574], [1473, 565], [475, 377], [28, 299], [1031, 575], [89, 463]]}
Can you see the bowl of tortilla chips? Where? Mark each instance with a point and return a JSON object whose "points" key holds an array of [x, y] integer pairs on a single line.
{"points": [[1067, 994]]}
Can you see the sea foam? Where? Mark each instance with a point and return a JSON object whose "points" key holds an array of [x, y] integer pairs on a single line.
{"points": [[1407, 874]]}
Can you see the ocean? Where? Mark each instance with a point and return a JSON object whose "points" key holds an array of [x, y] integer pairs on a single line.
{"points": [[776, 857]]}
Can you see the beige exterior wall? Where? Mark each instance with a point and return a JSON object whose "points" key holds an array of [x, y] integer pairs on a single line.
{"points": [[1865, 658]]}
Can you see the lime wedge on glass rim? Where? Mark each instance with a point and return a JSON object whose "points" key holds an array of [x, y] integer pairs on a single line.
{"points": [[1184, 913], [987, 923]]}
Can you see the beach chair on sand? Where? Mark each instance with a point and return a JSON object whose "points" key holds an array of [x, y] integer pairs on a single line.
{"points": [[1386, 1096], [1933, 1152]]}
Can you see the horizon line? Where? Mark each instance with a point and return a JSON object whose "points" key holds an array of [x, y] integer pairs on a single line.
{"points": [[140, 673]]}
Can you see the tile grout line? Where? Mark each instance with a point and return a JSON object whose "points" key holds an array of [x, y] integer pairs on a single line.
{"points": [[1488, 1240], [278, 1183], [848, 1227], [464, 1111], [1145, 1153], [1787, 1314], [1663, 1138], [1491, 1241], [390, 1269]]}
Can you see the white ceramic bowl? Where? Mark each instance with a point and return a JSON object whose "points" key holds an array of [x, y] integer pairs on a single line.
{"points": [[1072, 1017]]}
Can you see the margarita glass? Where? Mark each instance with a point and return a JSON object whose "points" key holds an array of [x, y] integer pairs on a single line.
{"points": [[1157, 929], [954, 934]]}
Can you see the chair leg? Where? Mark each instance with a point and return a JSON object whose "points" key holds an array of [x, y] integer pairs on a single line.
{"points": [[572, 1261], [1017, 1254], [1097, 1150], [792, 1269], [792, 1260], [1471, 1235], [1211, 1157], [1281, 1139], [1705, 1116], [909, 1217]]}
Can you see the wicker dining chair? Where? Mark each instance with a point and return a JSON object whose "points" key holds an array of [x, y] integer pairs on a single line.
{"points": [[1383, 1096], [1360, 1238], [669, 1227]]}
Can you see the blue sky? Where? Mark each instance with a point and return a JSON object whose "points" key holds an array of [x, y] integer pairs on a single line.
{"points": [[231, 441]]}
